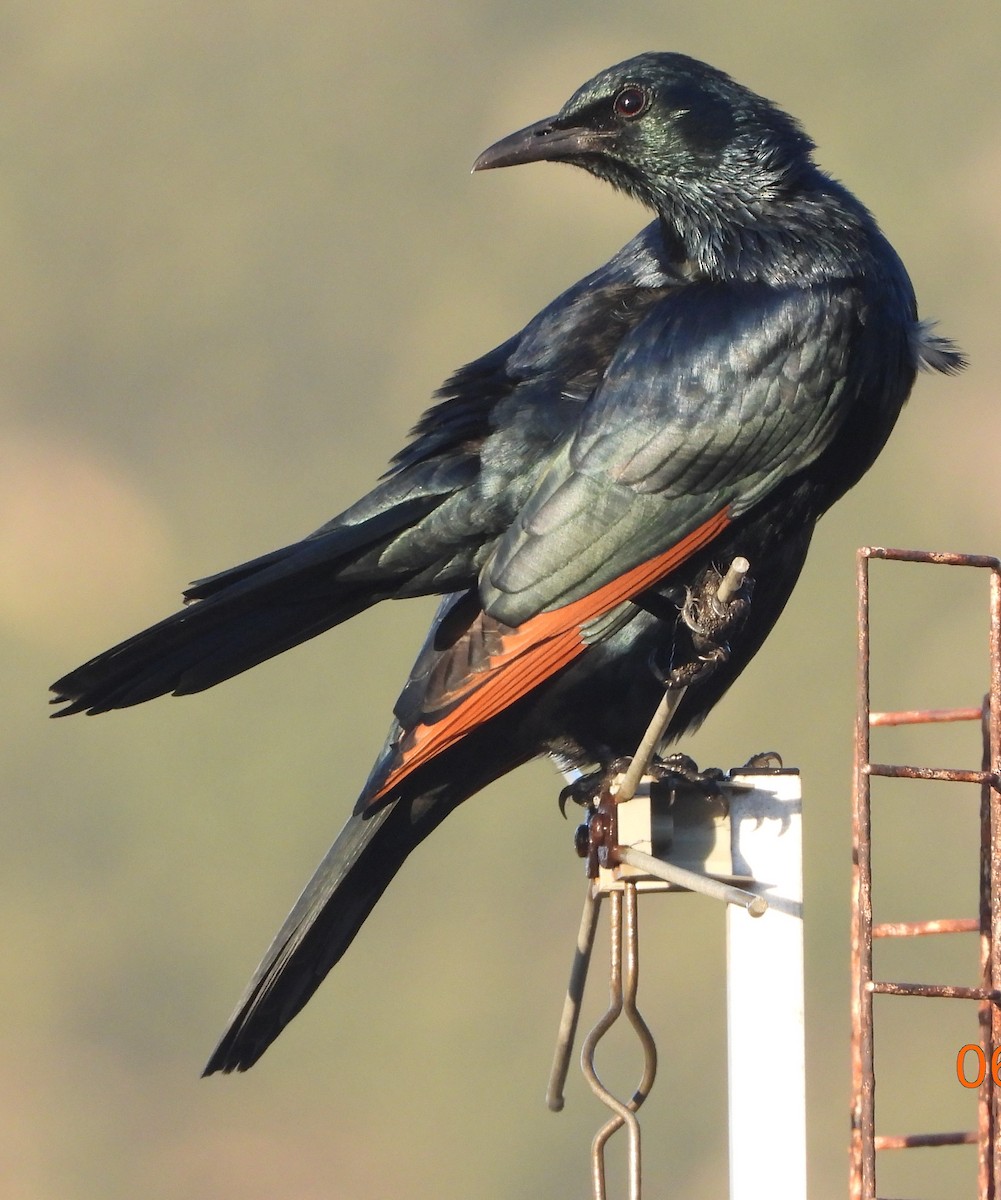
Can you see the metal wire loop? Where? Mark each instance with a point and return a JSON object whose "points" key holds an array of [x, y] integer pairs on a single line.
{"points": [[623, 980]]}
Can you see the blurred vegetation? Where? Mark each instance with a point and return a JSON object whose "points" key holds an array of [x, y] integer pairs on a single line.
{"points": [[240, 247]]}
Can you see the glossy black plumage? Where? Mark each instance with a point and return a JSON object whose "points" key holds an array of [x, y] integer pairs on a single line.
{"points": [[708, 392]]}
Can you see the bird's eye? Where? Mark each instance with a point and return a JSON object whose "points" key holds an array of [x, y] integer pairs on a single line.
{"points": [[631, 101]]}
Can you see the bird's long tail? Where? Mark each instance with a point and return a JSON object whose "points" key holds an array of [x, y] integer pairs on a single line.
{"points": [[357, 869], [245, 615]]}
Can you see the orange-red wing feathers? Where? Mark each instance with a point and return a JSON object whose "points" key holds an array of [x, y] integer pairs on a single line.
{"points": [[524, 657]]}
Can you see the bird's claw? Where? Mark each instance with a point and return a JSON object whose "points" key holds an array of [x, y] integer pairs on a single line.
{"points": [[709, 621], [586, 790], [767, 760], [680, 770], [582, 791], [696, 669]]}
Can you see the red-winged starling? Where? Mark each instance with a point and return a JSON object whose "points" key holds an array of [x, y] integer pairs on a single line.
{"points": [[709, 392]]}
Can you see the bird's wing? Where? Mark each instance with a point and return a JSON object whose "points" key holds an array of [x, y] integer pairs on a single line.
{"points": [[712, 399], [716, 396]]}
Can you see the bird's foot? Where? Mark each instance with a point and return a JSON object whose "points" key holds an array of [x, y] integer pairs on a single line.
{"points": [[710, 619], [674, 770], [586, 790], [679, 770]]}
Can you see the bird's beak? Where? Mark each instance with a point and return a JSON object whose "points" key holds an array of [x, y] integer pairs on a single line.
{"points": [[544, 140]]}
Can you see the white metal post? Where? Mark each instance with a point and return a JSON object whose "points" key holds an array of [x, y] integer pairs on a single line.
{"points": [[765, 1029]]}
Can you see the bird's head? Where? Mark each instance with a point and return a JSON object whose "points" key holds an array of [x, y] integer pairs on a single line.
{"points": [[675, 133]]}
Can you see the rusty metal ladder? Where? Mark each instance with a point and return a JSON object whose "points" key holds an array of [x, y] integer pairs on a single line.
{"points": [[864, 1140]]}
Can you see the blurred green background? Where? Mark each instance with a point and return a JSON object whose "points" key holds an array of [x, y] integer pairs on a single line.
{"points": [[240, 246]]}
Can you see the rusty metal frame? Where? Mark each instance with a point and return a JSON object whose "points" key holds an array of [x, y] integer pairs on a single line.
{"points": [[864, 1140]]}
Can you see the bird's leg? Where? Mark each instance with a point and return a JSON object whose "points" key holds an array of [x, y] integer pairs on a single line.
{"points": [[710, 612]]}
